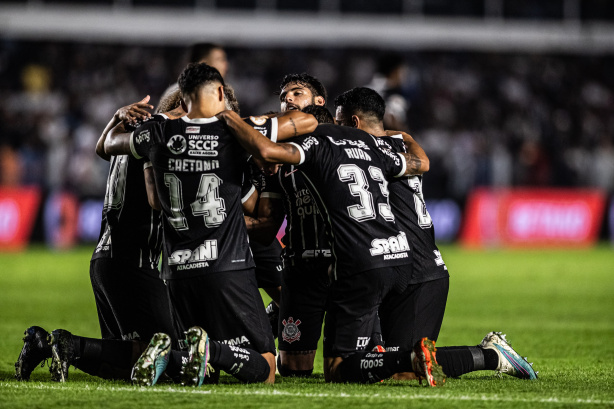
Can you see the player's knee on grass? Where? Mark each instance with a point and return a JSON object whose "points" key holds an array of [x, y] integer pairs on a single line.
{"points": [[292, 368]]}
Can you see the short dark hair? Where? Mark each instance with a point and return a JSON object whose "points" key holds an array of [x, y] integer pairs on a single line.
{"points": [[362, 100], [196, 75], [321, 113], [200, 51], [309, 81]]}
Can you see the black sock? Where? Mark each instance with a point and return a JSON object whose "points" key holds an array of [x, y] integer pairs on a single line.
{"points": [[105, 358], [175, 362], [370, 367], [244, 364], [460, 360]]}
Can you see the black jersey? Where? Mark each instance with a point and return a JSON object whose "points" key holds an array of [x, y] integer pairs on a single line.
{"points": [[347, 173], [412, 217], [198, 167], [130, 229], [306, 235]]}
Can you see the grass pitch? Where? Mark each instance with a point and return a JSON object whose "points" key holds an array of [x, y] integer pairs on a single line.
{"points": [[556, 306]]}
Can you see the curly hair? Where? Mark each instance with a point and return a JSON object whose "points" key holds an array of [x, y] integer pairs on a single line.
{"points": [[308, 81], [362, 100], [195, 75]]}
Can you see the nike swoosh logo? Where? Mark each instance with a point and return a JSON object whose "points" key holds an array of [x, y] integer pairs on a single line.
{"points": [[289, 173]]}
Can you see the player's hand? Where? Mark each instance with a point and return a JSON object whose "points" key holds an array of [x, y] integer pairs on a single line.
{"points": [[135, 112], [392, 133], [227, 114], [268, 169]]}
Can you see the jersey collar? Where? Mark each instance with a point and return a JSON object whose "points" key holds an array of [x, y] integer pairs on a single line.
{"points": [[200, 120]]}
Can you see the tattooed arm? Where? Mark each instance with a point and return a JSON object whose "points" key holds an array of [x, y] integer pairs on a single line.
{"points": [[258, 145], [417, 161], [293, 123]]}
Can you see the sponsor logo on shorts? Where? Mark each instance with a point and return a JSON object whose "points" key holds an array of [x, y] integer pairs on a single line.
{"points": [[177, 144], [391, 248], [291, 332], [197, 258], [130, 336], [242, 340], [316, 253], [362, 342]]}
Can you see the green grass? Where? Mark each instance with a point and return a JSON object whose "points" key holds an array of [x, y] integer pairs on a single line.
{"points": [[556, 306]]}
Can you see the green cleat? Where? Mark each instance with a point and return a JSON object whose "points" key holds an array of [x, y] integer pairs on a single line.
{"points": [[194, 371], [152, 362]]}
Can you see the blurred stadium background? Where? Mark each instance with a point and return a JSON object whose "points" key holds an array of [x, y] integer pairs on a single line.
{"points": [[513, 100]]}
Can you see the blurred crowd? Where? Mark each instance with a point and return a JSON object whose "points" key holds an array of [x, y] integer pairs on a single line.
{"points": [[484, 119]]}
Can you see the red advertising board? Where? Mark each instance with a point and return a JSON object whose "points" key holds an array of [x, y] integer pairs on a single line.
{"points": [[533, 217], [18, 209]]}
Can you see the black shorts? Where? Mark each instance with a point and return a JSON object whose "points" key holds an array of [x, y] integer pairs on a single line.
{"points": [[352, 316], [227, 305], [413, 314], [304, 300], [132, 303], [269, 264]]}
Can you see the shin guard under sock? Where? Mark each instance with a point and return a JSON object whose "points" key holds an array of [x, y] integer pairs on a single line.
{"points": [[370, 367], [244, 364], [457, 361]]}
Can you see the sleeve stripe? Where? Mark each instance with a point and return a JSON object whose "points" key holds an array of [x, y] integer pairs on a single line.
{"points": [[300, 150], [402, 173], [248, 194], [271, 195], [132, 149], [274, 127]]}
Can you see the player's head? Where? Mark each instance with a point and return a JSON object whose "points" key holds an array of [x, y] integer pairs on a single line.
{"points": [[299, 90], [198, 80], [212, 54], [321, 113], [231, 99], [360, 102]]}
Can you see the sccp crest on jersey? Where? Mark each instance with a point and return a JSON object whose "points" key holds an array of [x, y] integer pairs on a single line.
{"points": [[177, 144]]}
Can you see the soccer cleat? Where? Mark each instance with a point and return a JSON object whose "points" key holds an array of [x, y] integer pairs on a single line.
{"points": [[62, 353], [425, 364], [152, 362], [509, 361], [272, 311], [194, 371], [35, 351]]}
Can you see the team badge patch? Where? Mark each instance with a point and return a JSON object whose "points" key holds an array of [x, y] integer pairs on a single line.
{"points": [[291, 332], [258, 120], [177, 144]]}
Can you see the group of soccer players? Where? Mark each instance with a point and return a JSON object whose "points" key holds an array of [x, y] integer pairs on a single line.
{"points": [[359, 246]]}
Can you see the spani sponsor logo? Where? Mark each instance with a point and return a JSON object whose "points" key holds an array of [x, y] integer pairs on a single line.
{"points": [[205, 252], [391, 246], [309, 142]]}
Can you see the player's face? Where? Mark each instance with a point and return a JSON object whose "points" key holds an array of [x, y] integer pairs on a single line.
{"points": [[296, 96], [217, 59]]}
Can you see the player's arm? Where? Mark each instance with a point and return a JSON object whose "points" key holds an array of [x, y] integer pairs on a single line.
{"points": [[293, 123], [150, 186], [270, 216], [417, 162], [128, 114], [257, 144]]}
